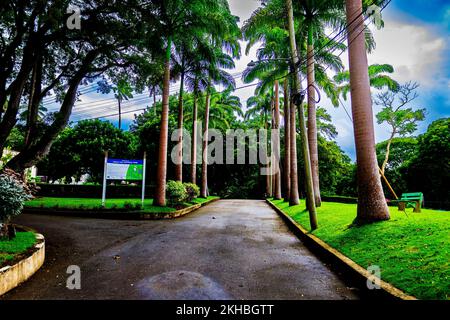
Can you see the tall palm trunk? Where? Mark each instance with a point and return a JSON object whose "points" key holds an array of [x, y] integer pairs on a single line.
{"points": [[277, 184], [294, 197], [268, 176], [160, 194], [298, 87], [119, 100], [179, 160], [204, 187], [312, 125], [371, 202], [194, 141], [287, 144]]}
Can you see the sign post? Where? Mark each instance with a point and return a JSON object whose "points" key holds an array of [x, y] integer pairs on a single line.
{"points": [[143, 178], [105, 166], [122, 169]]}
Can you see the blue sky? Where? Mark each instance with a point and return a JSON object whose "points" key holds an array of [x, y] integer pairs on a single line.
{"points": [[415, 40]]}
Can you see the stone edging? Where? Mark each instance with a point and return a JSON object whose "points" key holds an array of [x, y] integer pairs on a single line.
{"points": [[12, 276], [337, 256], [117, 214]]}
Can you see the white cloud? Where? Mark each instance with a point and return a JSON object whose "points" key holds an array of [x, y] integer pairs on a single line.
{"points": [[416, 51]]}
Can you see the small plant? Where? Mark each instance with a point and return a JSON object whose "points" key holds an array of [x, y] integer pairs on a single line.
{"points": [[12, 198], [176, 193], [192, 191]]}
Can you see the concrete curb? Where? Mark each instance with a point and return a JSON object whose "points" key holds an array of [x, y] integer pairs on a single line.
{"points": [[117, 214], [345, 262], [12, 276]]}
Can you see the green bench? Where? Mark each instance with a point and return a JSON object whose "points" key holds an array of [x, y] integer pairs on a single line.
{"points": [[410, 200]]}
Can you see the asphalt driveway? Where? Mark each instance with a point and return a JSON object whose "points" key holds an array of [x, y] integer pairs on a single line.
{"points": [[230, 249]]}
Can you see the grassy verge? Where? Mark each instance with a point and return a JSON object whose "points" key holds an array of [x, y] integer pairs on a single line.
{"points": [[20, 244], [96, 204], [412, 251]]}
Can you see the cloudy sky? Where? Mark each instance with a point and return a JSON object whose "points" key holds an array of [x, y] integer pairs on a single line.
{"points": [[415, 40]]}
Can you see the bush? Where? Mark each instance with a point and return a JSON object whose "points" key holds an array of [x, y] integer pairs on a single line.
{"points": [[12, 197], [192, 191], [176, 193]]}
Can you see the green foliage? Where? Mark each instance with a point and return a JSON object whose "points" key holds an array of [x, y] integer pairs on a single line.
{"points": [[429, 170], [80, 150], [12, 198], [412, 251], [192, 191], [378, 77], [175, 193]]}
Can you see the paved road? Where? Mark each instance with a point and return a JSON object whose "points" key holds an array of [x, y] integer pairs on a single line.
{"points": [[230, 249]]}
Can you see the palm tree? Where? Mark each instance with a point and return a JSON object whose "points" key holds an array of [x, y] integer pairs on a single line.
{"points": [[298, 89], [177, 19], [122, 91], [378, 79], [221, 103], [372, 205], [261, 105], [217, 76], [316, 15]]}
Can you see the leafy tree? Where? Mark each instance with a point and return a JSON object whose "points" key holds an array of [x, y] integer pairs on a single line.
{"points": [[429, 170], [45, 57], [402, 121], [402, 151], [80, 150]]}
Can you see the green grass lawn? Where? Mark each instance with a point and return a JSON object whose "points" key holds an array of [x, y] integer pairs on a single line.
{"points": [[412, 251], [89, 204], [9, 249]]}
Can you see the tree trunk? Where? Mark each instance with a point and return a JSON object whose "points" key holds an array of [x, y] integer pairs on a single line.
{"points": [[277, 184], [15, 90], [194, 143], [204, 187], [34, 152], [34, 100], [312, 120], [298, 89], [294, 197], [179, 160], [287, 144], [268, 181], [120, 113], [372, 204], [160, 195], [388, 150]]}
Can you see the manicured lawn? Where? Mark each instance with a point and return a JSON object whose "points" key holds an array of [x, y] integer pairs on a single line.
{"points": [[89, 203], [412, 251], [203, 200], [9, 249]]}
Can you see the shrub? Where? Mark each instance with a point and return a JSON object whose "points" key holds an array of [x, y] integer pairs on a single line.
{"points": [[12, 197], [176, 192], [192, 191]]}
